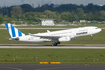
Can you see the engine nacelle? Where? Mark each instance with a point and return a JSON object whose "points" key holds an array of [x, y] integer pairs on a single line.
{"points": [[63, 39]]}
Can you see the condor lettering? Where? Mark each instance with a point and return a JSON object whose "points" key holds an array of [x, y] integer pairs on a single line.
{"points": [[81, 33]]}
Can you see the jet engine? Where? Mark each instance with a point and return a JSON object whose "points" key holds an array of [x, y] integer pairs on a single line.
{"points": [[64, 39]]}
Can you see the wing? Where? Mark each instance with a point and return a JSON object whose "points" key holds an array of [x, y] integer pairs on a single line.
{"points": [[47, 37]]}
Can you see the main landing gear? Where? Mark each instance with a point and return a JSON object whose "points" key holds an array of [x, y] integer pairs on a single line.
{"points": [[55, 43], [91, 36]]}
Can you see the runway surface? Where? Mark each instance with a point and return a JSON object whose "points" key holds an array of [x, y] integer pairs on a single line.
{"points": [[50, 67], [52, 47]]}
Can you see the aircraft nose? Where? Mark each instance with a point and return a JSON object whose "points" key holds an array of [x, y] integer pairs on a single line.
{"points": [[100, 29]]}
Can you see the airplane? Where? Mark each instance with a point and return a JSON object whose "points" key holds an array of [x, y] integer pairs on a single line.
{"points": [[55, 36]]}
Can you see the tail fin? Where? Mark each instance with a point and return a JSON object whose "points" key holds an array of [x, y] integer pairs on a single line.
{"points": [[14, 32]]}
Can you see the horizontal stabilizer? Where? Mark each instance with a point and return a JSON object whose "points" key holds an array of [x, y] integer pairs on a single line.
{"points": [[14, 39]]}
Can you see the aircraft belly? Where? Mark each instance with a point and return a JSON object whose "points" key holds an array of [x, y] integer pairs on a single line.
{"points": [[33, 39]]}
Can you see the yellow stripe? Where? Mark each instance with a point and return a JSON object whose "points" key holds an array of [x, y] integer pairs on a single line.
{"points": [[54, 62], [49, 62], [44, 62]]}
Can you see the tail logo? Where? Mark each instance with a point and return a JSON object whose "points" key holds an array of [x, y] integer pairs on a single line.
{"points": [[14, 32]]}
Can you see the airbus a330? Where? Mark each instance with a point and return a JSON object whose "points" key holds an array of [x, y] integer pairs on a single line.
{"points": [[55, 36]]}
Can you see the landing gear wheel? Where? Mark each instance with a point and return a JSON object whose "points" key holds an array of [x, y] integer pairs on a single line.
{"points": [[55, 44], [58, 42], [91, 36]]}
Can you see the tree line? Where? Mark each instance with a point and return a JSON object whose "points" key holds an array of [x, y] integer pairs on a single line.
{"points": [[25, 13]]}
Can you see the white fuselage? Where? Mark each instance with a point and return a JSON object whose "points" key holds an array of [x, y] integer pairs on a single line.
{"points": [[65, 35]]}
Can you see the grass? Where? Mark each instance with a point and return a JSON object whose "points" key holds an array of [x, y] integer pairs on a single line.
{"points": [[65, 56], [44, 26], [75, 26]]}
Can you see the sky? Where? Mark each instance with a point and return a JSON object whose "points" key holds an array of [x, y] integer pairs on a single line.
{"points": [[41, 2]]}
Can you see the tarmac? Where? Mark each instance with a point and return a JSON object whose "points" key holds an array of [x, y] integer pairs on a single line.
{"points": [[50, 67], [55, 47]]}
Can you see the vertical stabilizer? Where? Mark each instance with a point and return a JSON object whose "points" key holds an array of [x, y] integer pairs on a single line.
{"points": [[14, 32]]}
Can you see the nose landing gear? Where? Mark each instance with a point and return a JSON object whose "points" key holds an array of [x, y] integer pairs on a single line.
{"points": [[91, 36]]}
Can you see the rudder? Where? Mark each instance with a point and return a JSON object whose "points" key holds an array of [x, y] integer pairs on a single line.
{"points": [[14, 32]]}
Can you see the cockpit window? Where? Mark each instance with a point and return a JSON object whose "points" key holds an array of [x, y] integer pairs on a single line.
{"points": [[96, 28]]}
